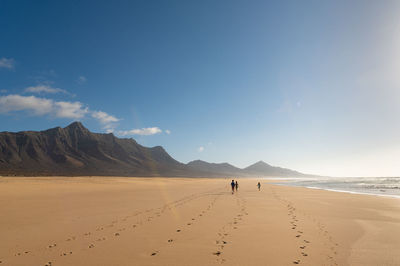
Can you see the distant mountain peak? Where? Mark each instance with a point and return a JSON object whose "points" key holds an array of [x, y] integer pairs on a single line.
{"points": [[77, 127], [76, 124], [158, 148], [196, 161], [259, 164]]}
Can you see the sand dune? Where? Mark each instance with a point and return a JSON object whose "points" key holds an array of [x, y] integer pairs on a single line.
{"points": [[155, 221]]}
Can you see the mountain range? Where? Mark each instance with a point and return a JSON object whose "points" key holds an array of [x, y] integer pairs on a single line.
{"points": [[75, 151]]}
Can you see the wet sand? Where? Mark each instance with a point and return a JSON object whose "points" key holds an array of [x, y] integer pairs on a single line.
{"points": [[183, 221]]}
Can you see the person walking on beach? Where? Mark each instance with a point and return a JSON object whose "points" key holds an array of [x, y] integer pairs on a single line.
{"points": [[233, 186], [236, 185], [259, 186]]}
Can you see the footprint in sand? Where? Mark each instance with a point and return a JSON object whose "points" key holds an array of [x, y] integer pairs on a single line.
{"points": [[217, 253], [178, 230], [296, 262], [91, 246], [154, 253], [170, 240]]}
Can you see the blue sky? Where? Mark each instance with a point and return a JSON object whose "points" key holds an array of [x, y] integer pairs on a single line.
{"points": [[309, 85]]}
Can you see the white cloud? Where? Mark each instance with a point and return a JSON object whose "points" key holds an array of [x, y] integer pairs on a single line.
{"points": [[168, 131], [200, 149], [41, 106], [8, 63], [38, 106], [82, 79], [289, 106], [70, 109], [44, 89], [142, 131], [104, 118]]}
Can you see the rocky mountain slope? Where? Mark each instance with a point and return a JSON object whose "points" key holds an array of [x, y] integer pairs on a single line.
{"points": [[75, 151]]}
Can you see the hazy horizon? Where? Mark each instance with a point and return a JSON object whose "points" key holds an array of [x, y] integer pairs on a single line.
{"points": [[310, 86]]}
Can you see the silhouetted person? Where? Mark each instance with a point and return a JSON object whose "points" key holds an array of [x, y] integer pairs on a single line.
{"points": [[236, 185], [259, 186], [233, 186]]}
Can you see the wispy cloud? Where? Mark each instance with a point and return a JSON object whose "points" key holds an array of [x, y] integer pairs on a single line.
{"points": [[142, 131], [200, 149], [168, 131], [104, 118], [38, 106], [108, 121], [42, 106], [288, 106], [3, 91], [45, 89], [70, 109], [8, 63], [82, 79]]}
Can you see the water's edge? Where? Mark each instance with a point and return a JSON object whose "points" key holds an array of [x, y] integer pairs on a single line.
{"points": [[376, 186]]}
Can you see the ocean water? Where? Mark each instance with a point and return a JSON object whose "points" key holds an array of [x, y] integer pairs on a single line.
{"points": [[381, 186]]}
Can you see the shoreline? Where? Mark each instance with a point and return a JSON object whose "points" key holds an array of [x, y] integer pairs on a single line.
{"points": [[342, 191], [191, 221]]}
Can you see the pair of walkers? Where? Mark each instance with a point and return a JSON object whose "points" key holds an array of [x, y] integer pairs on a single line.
{"points": [[234, 185]]}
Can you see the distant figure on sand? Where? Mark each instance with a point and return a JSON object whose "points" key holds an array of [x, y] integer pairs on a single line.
{"points": [[259, 186], [233, 186], [236, 185]]}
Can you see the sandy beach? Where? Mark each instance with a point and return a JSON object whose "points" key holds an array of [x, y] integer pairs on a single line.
{"points": [[182, 221]]}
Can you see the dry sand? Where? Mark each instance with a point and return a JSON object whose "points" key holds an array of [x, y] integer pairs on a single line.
{"points": [[155, 221]]}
